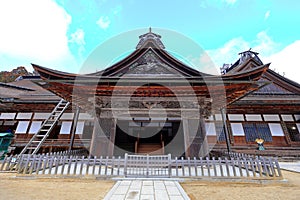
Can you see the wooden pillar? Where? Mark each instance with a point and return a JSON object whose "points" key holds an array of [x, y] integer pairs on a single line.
{"points": [[225, 128], [102, 143], [195, 139], [112, 137], [204, 150], [75, 120], [186, 134], [94, 147]]}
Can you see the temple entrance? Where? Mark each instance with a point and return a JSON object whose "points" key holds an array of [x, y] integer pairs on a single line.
{"points": [[149, 137]]}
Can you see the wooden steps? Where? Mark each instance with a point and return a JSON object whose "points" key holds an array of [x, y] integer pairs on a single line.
{"points": [[152, 149]]}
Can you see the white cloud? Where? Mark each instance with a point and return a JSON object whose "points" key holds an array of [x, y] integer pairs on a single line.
{"points": [[287, 61], [34, 31], [267, 14], [228, 53], [103, 22], [78, 37]]}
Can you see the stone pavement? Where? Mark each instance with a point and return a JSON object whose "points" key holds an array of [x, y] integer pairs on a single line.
{"points": [[147, 189], [291, 166]]}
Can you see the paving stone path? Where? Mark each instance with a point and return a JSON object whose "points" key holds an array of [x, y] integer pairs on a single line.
{"points": [[147, 190], [291, 166]]}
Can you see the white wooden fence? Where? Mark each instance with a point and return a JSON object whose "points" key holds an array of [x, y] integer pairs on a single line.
{"points": [[144, 166]]}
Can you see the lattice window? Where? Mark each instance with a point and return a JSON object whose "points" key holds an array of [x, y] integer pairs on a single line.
{"points": [[264, 132], [257, 130], [220, 132], [250, 132]]}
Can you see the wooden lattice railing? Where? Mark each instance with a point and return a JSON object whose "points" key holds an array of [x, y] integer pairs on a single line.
{"points": [[65, 164]]}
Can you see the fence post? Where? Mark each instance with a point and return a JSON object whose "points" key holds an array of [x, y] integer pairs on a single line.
{"points": [[57, 161], [233, 166], [265, 167], [32, 164], [169, 165], [75, 166], [26, 164], [8, 163], [69, 165], [208, 166], [81, 165], [195, 165], [112, 165], [253, 167], [39, 164], [51, 164], [189, 166], [182, 166], [20, 164], [100, 165], [214, 166], [259, 167], [45, 164], [106, 165], [88, 165], [227, 167], [176, 165], [119, 163], [125, 164], [278, 168], [3, 163], [201, 164], [221, 167], [94, 165], [246, 166], [272, 167], [63, 164]]}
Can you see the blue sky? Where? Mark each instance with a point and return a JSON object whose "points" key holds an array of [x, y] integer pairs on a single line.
{"points": [[61, 34]]}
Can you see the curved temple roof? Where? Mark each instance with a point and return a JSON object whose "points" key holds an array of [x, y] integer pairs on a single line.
{"points": [[152, 68]]}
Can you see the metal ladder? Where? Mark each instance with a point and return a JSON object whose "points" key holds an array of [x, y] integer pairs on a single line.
{"points": [[38, 138]]}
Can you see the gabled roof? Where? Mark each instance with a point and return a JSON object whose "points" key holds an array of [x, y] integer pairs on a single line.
{"points": [[156, 73], [150, 53], [279, 95], [150, 60], [278, 84], [248, 59], [149, 56]]}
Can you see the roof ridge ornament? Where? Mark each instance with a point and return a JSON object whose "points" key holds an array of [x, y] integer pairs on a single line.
{"points": [[245, 55], [150, 37]]}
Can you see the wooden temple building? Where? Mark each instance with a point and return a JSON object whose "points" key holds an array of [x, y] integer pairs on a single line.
{"points": [[150, 102]]}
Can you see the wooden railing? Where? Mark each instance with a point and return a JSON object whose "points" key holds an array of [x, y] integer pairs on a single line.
{"points": [[55, 142], [62, 164]]}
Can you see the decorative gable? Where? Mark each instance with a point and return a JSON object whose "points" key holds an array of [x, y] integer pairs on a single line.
{"points": [[272, 89], [149, 64]]}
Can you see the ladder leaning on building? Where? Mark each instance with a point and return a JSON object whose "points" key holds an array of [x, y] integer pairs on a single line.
{"points": [[41, 135]]}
